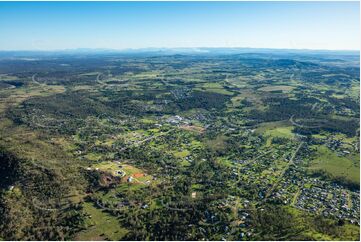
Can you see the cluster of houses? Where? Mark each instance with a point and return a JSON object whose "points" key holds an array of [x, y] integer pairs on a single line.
{"points": [[330, 200], [295, 188], [260, 168], [337, 145], [177, 120], [321, 197]]}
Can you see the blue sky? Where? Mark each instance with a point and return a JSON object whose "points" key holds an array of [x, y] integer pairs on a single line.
{"points": [[121, 25]]}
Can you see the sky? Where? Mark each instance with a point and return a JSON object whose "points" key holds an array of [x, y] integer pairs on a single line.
{"points": [[123, 25]]}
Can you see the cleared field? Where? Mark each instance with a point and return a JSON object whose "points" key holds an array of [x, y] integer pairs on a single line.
{"points": [[6, 77], [181, 154], [355, 90], [282, 132], [194, 128], [217, 144], [276, 129], [336, 166], [276, 88], [250, 96], [19, 95], [215, 87], [101, 226]]}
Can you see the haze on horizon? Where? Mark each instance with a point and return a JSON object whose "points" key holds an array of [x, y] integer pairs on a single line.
{"points": [[123, 25]]}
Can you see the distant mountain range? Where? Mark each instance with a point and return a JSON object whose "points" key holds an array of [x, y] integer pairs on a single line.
{"points": [[169, 51]]}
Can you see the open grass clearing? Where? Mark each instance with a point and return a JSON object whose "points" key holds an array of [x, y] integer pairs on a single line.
{"points": [[328, 161], [101, 225], [280, 129], [276, 88]]}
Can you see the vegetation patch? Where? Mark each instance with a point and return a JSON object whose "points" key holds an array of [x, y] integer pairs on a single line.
{"points": [[100, 225], [337, 167], [276, 88]]}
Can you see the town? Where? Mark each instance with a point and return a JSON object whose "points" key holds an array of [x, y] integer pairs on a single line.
{"points": [[150, 148]]}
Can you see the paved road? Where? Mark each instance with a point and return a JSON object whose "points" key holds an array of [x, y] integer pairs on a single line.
{"points": [[144, 140], [304, 126], [98, 80], [237, 203], [284, 170], [34, 80], [175, 209]]}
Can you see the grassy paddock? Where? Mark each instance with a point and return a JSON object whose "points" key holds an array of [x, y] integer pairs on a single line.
{"points": [[336, 166], [101, 225]]}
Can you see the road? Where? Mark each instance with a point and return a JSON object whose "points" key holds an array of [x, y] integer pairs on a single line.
{"points": [[98, 80], [226, 81], [175, 209], [254, 159], [34, 80], [144, 140], [284, 170], [235, 208], [304, 126]]}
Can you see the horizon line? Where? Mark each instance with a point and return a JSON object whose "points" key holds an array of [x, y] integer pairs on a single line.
{"points": [[168, 48]]}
